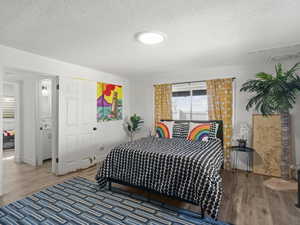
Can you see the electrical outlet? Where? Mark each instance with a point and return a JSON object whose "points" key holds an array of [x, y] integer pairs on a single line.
{"points": [[101, 148]]}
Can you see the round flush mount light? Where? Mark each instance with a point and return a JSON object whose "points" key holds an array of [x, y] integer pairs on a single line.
{"points": [[150, 37]]}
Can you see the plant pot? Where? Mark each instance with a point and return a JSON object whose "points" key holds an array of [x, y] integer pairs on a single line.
{"points": [[242, 143], [286, 145]]}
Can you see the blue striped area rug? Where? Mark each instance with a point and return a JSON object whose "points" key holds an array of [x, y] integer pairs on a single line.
{"points": [[80, 201]]}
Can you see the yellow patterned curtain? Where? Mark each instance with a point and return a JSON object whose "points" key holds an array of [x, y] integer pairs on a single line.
{"points": [[162, 102], [219, 93]]}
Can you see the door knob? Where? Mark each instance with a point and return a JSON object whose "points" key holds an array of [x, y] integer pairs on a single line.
{"points": [[95, 128]]}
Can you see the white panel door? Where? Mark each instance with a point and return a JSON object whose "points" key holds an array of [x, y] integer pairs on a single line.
{"points": [[77, 124]]}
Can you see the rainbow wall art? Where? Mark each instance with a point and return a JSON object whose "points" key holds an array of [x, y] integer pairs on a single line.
{"points": [[109, 102]]}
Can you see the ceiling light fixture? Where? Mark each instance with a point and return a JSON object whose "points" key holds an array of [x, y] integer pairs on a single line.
{"points": [[150, 37]]}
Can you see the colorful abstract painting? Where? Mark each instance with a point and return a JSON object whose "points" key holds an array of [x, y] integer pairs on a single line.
{"points": [[109, 102]]}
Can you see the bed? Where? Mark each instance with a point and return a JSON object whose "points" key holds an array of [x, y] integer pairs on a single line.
{"points": [[8, 139], [176, 167]]}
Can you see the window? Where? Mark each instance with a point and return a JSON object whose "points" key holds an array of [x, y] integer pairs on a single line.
{"points": [[189, 101], [8, 107]]}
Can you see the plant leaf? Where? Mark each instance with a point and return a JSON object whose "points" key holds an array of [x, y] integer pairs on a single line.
{"points": [[273, 94]]}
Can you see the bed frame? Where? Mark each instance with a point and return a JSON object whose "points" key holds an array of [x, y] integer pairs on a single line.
{"points": [[219, 135]]}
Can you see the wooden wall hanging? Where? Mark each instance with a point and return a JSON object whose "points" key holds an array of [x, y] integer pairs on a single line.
{"points": [[267, 144]]}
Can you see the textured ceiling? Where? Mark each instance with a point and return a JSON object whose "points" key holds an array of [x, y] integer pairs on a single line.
{"points": [[99, 33]]}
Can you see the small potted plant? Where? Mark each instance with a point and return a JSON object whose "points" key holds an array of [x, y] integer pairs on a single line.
{"points": [[133, 125]]}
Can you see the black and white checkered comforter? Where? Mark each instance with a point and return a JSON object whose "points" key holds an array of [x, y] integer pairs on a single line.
{"points": [[175, 167]]}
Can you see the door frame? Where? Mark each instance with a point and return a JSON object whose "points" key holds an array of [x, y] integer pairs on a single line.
{"points": [[54, 143]]}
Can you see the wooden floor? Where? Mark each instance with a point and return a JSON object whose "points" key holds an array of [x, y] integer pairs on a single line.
{"points": [[245, 202]]}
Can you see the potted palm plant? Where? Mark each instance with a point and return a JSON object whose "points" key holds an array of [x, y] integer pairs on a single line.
{"points": [[276, 94], [133, 125]]}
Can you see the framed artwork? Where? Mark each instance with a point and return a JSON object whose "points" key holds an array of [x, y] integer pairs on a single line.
{"points": [[109, 102]]}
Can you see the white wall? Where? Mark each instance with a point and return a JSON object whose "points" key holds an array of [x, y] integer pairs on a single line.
{"points": [[8, 90], [142, 94], [11, 59], [28, 115]]}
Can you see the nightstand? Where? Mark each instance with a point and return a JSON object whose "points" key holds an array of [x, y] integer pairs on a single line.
{"points": [[249, 159]]}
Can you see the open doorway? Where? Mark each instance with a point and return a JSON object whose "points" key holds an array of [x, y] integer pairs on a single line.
{"points": [[45, 120], [10, 92]]}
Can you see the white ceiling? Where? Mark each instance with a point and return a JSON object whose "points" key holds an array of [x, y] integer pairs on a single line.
{"points": [[100, 33]]}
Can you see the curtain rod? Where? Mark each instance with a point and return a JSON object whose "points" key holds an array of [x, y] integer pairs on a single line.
{"points": [[189, 82]]}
